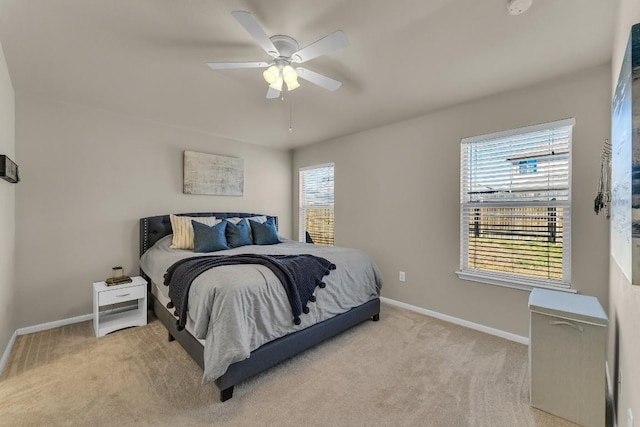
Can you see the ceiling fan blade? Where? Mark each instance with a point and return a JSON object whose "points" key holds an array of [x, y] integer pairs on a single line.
{"points": [[252, 26], [321, 80], [230, 65], [333, 41], [273, 93]]}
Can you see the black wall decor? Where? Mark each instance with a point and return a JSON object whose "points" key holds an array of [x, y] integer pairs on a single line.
{"points": [[8, 169]]}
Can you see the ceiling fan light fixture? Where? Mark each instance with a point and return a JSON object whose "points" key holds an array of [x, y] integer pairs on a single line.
{"points": [[294, 84], [277, 85], [271, 74], [289, 74]]}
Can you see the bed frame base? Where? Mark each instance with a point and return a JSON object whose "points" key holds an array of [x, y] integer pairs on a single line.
{"points": [[271, 353], [226, 394]]}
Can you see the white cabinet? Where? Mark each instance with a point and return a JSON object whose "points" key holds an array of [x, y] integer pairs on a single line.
{"points": [[567, 346], [110, 309]]}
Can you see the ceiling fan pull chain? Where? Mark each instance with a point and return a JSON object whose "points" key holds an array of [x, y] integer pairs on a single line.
{"points": [[290, 115]]}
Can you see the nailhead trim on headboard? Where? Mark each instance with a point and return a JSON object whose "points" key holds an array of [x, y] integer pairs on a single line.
{"points": [[145, 240]]}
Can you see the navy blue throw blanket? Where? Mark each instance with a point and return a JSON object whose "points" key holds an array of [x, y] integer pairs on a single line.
{"points": [[299, 274]]}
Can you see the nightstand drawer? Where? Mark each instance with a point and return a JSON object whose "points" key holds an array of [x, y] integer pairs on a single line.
{"points": [[122, 294]]}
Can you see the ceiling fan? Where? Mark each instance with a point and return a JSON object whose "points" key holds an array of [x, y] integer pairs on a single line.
{"points": [[286, 54]]}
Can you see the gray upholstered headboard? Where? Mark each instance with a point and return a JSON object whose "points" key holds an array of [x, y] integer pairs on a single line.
{"points": [[154, 228]]}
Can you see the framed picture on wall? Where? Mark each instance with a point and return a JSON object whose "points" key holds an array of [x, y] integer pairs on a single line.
{"points": [[625, 163], [213, 174]]}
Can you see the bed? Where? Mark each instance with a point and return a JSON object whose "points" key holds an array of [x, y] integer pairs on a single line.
{"points": [[268, 341]]}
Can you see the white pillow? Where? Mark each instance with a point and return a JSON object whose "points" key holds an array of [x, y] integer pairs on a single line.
{"points": [[261, 219], [183, 230]]}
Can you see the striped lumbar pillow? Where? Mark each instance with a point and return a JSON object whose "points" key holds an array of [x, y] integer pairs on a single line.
{"points": [[183, 230]]}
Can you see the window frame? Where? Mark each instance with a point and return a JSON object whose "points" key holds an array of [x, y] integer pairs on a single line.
{"points": [[513, 280], [302, 209]]}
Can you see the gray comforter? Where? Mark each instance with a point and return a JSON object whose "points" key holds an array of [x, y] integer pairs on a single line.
{"points": [[237, 308]]}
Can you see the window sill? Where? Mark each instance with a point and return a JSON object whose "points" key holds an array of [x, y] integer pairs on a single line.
{"points": [[509, 283]]}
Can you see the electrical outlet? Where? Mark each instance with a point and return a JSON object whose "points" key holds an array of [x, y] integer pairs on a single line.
{"points": [[402, 277], [629, 418]]}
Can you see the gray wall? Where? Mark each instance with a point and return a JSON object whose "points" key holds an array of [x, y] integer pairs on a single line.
{"points": [[623, 353], [398, 196], [89, 175], [7, 208]]}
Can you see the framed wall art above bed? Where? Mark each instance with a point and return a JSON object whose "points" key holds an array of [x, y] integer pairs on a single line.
{"points": [[212, 174]]}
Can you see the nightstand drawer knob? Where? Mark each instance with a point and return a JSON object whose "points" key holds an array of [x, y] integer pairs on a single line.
{"points": [[123, 295]]}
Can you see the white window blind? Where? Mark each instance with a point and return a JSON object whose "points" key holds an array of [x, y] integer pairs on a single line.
{"points": [[516, 207], [316, 204]]}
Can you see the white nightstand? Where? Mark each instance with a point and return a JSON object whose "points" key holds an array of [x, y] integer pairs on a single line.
{"points": [[119, 317]]}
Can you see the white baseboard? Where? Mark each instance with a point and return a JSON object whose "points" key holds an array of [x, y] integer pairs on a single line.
{"points": [[54, 324], [38, 328], [7, 352], [471, 325]]}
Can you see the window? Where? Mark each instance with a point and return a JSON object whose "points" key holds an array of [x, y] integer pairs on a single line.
{"points": [[515, 207], [316, 205]]}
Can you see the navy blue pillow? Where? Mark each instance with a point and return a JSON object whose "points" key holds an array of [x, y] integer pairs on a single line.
{"points": [[238, 234], [264, 233], [209, 239]]}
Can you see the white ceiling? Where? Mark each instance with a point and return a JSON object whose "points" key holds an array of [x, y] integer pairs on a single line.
{"points": [[147, 58]]}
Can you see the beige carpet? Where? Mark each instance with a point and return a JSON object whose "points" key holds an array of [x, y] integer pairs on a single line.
{"points": [[405, 370]]}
